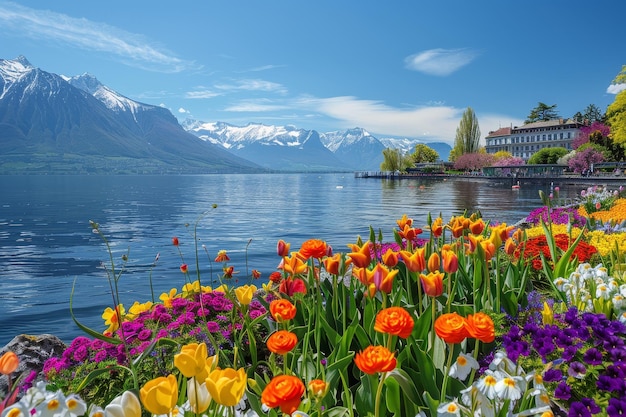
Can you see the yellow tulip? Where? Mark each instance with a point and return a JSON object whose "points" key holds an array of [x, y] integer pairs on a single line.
{"points": [[227, 386], [245, 293], [159, 395], [112, 318], [191, 361]]}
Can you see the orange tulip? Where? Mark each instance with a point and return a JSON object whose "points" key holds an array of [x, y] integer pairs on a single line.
{"points": [[284, 391], [432, 283], [361, 255], [480, 326], [9, 363], [510, 246], [282, 248], [313, 248], [451, 328], [436, 228], [395, 321], [457, 230], [477, 226], [489, 248], [380, 278], [282, 310], [294, 265], [434, 262], [333, 264], [409, 233], [416, 261], [282, 342], [222, 256], [375, 359], [390, 258], [404, 221], [450, 261]]}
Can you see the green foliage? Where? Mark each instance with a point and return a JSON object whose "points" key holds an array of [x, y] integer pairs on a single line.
{"points": [[547, 155], [542, 113], [424, 153], [467, 138], [395, 160]]}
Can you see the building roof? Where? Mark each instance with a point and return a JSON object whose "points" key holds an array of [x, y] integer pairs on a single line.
{"points": [[547, 123], [503, 131]]}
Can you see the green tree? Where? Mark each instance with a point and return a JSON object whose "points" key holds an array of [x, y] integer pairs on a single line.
{"points": [[542, 113], [395, 160], [424, 153], [547, 156], [467, 138], [616, 112], [593, 114]]}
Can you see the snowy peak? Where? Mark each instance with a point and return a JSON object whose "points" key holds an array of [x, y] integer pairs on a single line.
{"points": [[11, 70], [113, 100], [338, 139]]}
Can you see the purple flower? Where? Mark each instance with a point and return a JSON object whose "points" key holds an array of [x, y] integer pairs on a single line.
{"points": [[578, 409], [576, 370], [617, 407], [593, 356], [144, 334], [562, 391], [100, 356], [552, 375], [212, 327], [81, 353]]}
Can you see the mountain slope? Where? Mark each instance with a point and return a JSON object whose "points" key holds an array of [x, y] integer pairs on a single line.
{"points": [[47, 124]]}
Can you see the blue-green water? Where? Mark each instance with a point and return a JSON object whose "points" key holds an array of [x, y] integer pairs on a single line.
{"points": [[46, 242]]}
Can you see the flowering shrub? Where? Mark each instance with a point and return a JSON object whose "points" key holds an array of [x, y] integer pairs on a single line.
{"points": [[557, 215], [598, 198]]}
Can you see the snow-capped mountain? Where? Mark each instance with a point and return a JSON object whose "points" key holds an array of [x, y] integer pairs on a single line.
{"points": [[47, 124], [355, 149], [272, 147]]}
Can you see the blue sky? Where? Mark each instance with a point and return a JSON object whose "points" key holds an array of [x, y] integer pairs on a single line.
{"points": [[397, 68]]}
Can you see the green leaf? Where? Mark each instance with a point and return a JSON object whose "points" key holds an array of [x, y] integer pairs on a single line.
{"points": [[392, 396], [86, 329], [404, 381]]}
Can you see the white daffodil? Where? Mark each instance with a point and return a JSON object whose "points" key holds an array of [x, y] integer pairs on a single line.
{"points": [[96, 411], [18, 409], [507, 388], [463, 365], [473, 399], [75, 405], [560, 282], [602, 291], [52, 405], [619, 302], [502, 363], [487, 385], [125, 405], [449, 409]]}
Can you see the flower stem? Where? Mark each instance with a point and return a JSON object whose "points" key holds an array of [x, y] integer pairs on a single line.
{"points": [[444, 386]]}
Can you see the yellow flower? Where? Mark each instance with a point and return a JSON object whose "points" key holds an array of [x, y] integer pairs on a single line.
{"points": [[547, 314], [168, 297], [136, 309], [222, 288], [245, 293], [159, 395], [227, 386], [191, 361], [112, 318]]}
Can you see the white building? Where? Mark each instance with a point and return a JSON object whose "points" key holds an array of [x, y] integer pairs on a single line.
{"points": [[525, 140]]}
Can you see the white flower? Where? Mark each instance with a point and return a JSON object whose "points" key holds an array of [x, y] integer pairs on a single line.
{"points": [[449, 409], [474, 399], [16, 410], [125, 405], [487, 385], [602, 291], [463, 365], [507, 388], [96, 411], [198, 395], [619, 302], [53, 405], [75, 405], [501, 362], [622, 318], [560, 282]]}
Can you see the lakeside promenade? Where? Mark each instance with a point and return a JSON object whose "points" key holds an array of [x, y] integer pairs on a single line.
{"points": [[555, 180]]}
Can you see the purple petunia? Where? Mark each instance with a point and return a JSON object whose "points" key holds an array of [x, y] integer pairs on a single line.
{"points": [[562, 391], [593, 356], [552, 375]]}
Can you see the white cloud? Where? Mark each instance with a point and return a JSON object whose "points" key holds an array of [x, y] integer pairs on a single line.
{"points": [[440, 62], [184, 111], [254, 85], [615, 88], [255, 106], [130, 48], [201, 93]]}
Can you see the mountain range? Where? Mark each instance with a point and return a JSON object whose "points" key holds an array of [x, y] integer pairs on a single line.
{"points": [[51, 123]]}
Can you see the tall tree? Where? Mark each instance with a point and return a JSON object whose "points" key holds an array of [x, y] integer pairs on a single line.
{"points": [[542, 113], [424, 153], [467, 138], [616, 112], [593, 114]]}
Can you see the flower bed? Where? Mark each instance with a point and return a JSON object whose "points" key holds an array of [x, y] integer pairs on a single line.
{"points": [[440, 319]]}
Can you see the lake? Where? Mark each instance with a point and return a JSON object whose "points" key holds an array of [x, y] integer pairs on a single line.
{"points": [[46, 242]]}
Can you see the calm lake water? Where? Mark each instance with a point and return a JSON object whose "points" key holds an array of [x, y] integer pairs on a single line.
{"points": [[46, 243]]}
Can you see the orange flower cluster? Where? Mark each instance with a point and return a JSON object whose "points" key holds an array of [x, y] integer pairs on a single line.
{"points": [[282, 342], [616, 213], [375, 359], [453, 328], [282, 310], [395, 321], [284, 391]]}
